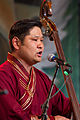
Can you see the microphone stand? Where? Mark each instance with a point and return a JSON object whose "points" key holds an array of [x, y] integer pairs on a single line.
{"points": [[45, 106]]}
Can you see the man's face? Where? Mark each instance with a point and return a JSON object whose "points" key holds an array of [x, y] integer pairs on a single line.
{"points": [[32, 47]]}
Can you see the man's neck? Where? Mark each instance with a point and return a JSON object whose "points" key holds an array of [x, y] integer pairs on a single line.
{"points": [[25, 65]]}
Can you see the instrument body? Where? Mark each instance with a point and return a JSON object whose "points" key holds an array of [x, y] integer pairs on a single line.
{"points": [[52, 33]]}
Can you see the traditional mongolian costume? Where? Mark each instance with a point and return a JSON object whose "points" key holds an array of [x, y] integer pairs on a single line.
{"points": [[26, 93]]}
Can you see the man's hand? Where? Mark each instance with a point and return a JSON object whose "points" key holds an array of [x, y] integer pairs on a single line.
{"points": [[36, 118], [58, 117]]}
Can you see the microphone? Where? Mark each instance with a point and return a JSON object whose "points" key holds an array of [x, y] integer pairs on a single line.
{"points": [[53, 58], [2, 92]]}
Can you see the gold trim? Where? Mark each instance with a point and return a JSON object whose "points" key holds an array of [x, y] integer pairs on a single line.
{"points": [[28, 105], [31, 81], [30, 98], [22, 96], [24, 104], [26, 87], [18, 70]]}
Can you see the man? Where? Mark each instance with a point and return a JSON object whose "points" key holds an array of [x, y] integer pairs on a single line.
{"points": [[27, 86]]}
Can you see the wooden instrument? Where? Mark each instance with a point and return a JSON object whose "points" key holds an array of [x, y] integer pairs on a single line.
{"points": [[52, 32]]}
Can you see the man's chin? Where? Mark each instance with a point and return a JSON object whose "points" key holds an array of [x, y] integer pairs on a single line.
{"points": [[37, 61]]}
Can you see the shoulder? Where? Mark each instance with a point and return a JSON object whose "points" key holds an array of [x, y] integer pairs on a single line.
{"points": [[7, 77], [5, 68], [6, 72]]}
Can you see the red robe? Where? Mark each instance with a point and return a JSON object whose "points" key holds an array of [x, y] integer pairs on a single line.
{"points": [[27, 93]]}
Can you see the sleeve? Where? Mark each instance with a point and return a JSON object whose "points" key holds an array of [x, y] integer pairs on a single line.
{"points": [[51, 117], [61, 105], [10, 109]]}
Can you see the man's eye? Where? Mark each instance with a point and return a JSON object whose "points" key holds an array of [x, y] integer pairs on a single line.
{"points": [[34, 39], [42, 40]]}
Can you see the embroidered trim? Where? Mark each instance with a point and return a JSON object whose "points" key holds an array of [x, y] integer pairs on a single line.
{"points": [[22, 96], [28, 105], [31, 92], [26, 87], [27, 97], [18, 70]]}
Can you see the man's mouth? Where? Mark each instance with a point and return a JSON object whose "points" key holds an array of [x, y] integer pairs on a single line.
{"points": [[39, 54]]}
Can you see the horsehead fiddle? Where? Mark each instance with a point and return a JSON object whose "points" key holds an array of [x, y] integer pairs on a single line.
{"points": [[52, 32]]}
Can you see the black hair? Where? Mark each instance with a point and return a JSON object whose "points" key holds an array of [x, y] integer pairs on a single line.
{"points": [[22, 28]]}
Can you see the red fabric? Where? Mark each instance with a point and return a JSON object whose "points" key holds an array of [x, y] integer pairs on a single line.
{"points": [[51, 117], [10, 107]]}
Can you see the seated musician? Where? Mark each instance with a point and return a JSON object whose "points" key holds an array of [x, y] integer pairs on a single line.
{"points": [[27, 86]]}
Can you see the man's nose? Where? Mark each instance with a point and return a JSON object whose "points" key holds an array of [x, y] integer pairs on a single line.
{"points": [[40, 45]]}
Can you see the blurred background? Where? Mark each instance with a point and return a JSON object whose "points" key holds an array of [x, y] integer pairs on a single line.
{"points": [[66, 15]]}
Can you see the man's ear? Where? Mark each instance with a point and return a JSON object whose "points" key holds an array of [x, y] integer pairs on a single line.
{"points": [[16, 42]]}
